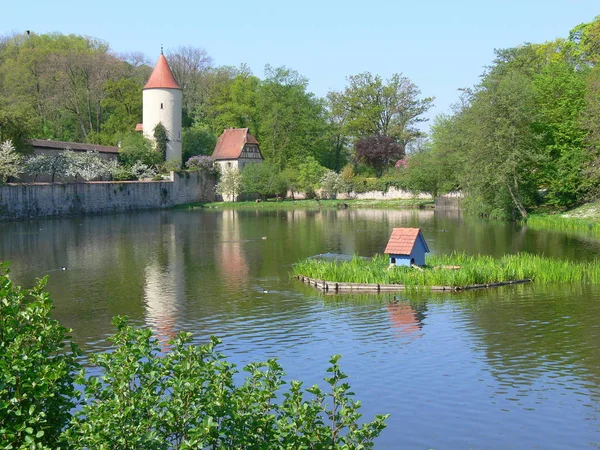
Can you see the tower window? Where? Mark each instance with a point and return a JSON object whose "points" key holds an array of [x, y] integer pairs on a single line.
{"points": [[161, 106]]}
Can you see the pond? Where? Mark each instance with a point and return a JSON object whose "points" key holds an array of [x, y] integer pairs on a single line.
{"points": [[513, 367]]}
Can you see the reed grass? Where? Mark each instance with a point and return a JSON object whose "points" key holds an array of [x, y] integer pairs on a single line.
{"points": [[561, 223], [474, 269]]}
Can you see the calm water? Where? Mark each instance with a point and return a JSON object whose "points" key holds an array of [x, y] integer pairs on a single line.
{"points": [[514, 367]]}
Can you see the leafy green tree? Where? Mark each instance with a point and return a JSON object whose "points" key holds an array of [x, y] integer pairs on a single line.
{"points": [[374, 107], [37, 369], [161, 139], [262, 179], [123, 107], [503, 154], [310, 174], [293, 123], [196, 141], [135, 147], [561, 133]]}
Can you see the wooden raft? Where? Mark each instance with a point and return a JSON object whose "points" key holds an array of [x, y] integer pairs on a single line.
{"points": [[332, 286]]}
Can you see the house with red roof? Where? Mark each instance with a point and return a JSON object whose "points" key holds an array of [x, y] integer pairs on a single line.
{"points": [[406, 247], [236, 148]]}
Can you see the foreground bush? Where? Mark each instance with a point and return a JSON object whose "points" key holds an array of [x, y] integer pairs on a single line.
{"points": [[185, 398], [37, 373]]}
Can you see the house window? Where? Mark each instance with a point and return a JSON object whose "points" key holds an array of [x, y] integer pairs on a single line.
{"points": [[228, 165], [161, 106], [393, 260]]}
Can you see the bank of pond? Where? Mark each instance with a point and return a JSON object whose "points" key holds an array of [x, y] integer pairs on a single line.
{"points": [[453, 271]]}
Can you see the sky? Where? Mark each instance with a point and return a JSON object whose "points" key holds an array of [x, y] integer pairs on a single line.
{"points": [[441, 46]]}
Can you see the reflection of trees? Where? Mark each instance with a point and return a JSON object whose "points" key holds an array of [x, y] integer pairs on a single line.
{"points": [[530, 332]]}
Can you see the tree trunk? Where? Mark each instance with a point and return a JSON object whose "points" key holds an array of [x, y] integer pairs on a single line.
{"points": [[515, 198]]}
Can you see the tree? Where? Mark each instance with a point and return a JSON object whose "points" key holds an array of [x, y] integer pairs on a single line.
{"points": [[189, 64], [135, 147], [504, 155], [161, 139], [197, 140], [310, 174], [37, 368], [373, 107], [378, 152], [11, 163], [332, 183], [58, 165], [293, 122], [262, 179], [88, 165], [230, 184]]}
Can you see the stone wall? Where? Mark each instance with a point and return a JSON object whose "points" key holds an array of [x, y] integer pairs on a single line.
{"points": [[30, 200]]}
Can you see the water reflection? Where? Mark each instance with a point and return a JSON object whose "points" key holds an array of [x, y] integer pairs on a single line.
{"points": [[164, 287], [404, 318], [509, 367]]}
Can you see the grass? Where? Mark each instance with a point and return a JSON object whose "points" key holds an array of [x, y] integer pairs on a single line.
{"points": [[563, 223], [474, 269], [272, 204]]}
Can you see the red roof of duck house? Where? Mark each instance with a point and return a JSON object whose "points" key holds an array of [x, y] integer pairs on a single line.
{"points": [[402, 241], [162, 77], [231, 143]]}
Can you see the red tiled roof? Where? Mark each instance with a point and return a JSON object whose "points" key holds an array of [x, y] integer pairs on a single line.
{"points": [[139, 127], [402, 241], [75, 146], [231, 143], [162, 77]]}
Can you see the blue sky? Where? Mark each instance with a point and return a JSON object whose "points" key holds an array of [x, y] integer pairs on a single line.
{"points": [[440, 45]]}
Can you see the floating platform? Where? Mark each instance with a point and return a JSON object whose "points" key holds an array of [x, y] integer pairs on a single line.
{"points": [[335, 287]]}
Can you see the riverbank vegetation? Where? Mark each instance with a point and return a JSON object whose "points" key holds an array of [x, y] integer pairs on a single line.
{"points": [[315, 204], [527, 137], [141, 396], [454, 270]]}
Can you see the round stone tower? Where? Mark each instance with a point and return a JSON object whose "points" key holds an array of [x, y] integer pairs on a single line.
{"points": [[162, 97]]}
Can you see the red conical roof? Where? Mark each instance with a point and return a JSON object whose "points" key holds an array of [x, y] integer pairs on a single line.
{"points": [[162, 77]]}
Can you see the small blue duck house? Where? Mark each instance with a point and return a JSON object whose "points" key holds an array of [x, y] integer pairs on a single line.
{"points": [[406, 247]]}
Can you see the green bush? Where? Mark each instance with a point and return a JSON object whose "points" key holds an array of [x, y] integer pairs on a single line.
{"points": [[135, 147], [37, 371], [144, 398], [188, 398]]}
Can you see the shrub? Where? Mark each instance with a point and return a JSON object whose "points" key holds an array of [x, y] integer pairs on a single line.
{"points": [[205, 164], [332, 183], [188, 398], [263, 179], [37, 372], [135, 147], [197, 141], [11, 163]]}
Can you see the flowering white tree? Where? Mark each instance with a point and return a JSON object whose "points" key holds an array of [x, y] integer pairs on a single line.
{"points": [[11, 163], [333, 183], [58, 165], [230, 184], [88, 165]]}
